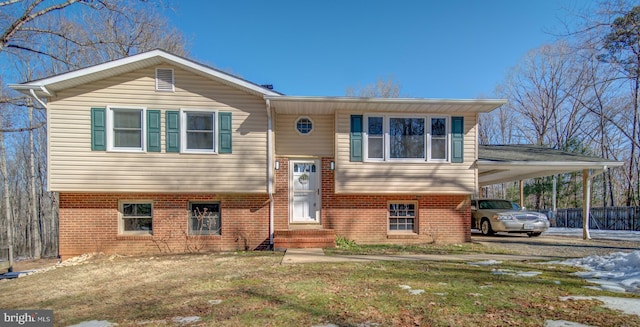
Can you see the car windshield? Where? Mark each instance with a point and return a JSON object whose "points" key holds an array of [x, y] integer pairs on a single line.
{"points": [[498, 204]]}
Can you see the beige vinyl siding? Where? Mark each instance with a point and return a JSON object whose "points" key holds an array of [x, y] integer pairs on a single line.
{"points": [[317, 143], [404, 178], [74, 167]]}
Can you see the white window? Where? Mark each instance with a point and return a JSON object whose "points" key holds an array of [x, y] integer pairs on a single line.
{"points": [[126, 129], [406, 138], [136, 217], [375, 133], [198, 131], [439, 139], [204, 218], [402, 216], [304, 125]]}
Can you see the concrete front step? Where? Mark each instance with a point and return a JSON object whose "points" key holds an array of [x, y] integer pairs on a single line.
{"points": [[304, 238]]}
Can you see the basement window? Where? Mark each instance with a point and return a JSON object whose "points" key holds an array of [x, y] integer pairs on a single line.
{"points": [[136, 217], [204, 218], [402, 216]]}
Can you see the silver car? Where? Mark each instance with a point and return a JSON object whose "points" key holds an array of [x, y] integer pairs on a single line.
{"points": [[495, 215]]}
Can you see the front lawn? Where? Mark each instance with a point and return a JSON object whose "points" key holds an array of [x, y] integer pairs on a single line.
{"points": [[254, 289]]}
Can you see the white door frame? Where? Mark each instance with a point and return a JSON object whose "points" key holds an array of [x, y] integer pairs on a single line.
{"points": [[311, 211]]}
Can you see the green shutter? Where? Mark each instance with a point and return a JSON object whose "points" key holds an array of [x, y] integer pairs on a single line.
{"points": [[98, 129], [356, 138], [173, 131], [457, 139], [224, 132], [153, 130]]}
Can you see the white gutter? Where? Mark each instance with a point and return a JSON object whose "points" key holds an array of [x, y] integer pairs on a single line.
{"points": [[35, 97], [270, 169]]}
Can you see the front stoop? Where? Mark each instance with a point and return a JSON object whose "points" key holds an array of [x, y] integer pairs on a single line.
{"points": [[304, 238]]}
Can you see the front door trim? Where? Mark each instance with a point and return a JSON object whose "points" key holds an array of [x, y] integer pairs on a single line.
{"points": [[304, 195]]}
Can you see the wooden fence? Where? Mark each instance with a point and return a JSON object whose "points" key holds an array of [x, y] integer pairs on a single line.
{"points": [[612, 218]]}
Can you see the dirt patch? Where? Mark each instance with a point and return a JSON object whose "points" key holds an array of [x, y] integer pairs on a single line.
{"points": [[553, 245]]}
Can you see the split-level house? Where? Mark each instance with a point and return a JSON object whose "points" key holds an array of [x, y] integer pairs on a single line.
{"points": [[156, 152]]}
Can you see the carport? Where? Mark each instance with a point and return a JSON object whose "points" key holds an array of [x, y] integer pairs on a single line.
{"points": [[509, 163]]}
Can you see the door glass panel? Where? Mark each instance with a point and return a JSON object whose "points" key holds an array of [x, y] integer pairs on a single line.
{"points": [[304, 198]]}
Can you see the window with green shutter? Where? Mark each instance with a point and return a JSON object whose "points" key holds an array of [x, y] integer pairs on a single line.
{"points": [[205, 131], [172, 126], [457, 139], [153, 130], [224, 132], [355, 138], [98, 129], [126, 129]]}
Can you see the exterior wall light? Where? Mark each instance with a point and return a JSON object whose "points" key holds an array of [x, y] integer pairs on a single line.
{"points": [[332, 165]]}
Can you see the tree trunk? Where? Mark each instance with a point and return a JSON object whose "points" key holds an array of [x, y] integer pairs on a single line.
{"points": [[632, 159], [5, 195]]}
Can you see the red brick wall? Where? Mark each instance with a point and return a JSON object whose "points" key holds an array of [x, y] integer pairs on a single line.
{"points": [[89, 223], [363, 218]]}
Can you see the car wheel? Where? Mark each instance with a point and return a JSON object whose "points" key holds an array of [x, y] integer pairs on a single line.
{"points": [[534, 234], [485, 227]]}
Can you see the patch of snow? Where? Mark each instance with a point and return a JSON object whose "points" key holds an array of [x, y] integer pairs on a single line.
{"points": [[94, 323], [485, 263], [215, 302], [563, 323], [416, 292], [186, 320], [628, 306], [510, 272], [405, 287], [368, 324], [528, 273], [624, 235], [615, 271]]}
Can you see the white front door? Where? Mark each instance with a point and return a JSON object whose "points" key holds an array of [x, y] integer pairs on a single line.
{"points": [[304, 191]]}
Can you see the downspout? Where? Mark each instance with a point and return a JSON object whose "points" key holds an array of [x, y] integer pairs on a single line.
{"points": [[35, 97], [270, 169], [32, 92]]}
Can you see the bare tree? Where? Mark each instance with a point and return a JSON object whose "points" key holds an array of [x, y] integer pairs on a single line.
{"points": [[380, 89], [42, 38]]}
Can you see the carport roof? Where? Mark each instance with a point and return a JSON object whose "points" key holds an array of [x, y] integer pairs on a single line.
{"points": [[506, 163]]}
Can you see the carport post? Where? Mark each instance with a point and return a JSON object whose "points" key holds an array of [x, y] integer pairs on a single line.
{"points": [[521, 194], [586, 203]]}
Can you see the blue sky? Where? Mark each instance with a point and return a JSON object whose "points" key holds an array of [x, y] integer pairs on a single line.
{"points": [[433, 49]]}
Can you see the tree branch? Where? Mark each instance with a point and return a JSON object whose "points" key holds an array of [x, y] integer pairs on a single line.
{"points": [[27, 16], [22, 129]]}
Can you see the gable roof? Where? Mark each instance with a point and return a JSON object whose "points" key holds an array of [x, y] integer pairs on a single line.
{"points": [[48, 86]]}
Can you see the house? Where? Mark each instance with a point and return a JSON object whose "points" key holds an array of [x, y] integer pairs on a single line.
{"points": [[155, 152]]}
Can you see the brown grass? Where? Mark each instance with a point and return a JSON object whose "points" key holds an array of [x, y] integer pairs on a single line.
{"points": [[254, 289]]}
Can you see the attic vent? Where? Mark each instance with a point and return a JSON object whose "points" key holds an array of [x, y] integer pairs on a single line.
{"points": [[164, 79]]}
